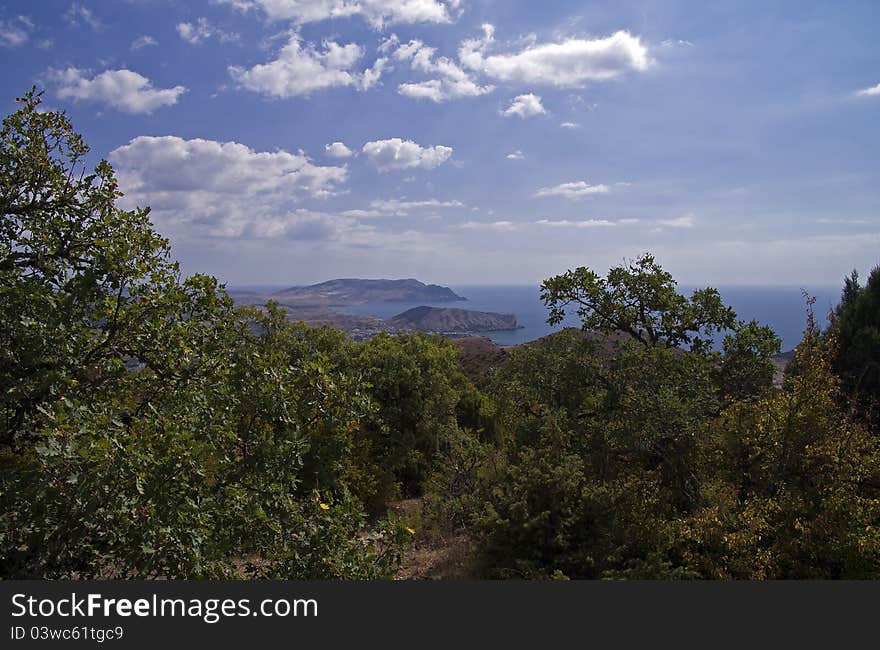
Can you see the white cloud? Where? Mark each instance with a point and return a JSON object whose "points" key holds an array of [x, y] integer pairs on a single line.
{"points": [[516, 155], [338, 150], [15, 32], [502, 226], [873, 91], [362, 214], [450, 80], [81, 15], [570, 125], [224, 189], [395, 153], [584, 223], [568, 63], [401, 207], [378, 12], [686, 221], [302, 70], [373, 75], [124, 90], [143, 41], [201, 30], [525, 106], [671, 42], [573, 190]]}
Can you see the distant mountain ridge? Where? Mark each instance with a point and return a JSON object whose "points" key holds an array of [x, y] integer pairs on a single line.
{"points": [[353, 291], [318, 304]]}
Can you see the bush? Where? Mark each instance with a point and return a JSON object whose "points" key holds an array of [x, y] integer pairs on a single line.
{"points": [[418, 389]]}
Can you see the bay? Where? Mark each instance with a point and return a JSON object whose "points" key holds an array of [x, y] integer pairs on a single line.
{"points": [[783, 308]]}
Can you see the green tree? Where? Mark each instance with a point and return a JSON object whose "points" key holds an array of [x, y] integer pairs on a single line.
{"points": [[82, 283], [602, 457], [639, 299], [419, 390], [748, 366], [856, 330], [149, 428]]}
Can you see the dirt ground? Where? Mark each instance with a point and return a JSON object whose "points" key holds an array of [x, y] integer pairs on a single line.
{"points": [[433, 556]]}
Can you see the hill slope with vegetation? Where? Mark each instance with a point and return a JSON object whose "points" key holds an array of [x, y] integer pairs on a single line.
{"points": [[339, 293], [447, 319], [150, 428]]}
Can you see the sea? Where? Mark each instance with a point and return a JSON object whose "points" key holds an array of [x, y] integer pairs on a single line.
{"points": [[784, 308]]}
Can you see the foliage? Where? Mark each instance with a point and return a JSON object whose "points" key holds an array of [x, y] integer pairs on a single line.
{"points": [[453, 490], [149, 428], [625, 460], [82, 283], [639, 299], [418, 387], [799, 495], [600, 458], [856, 328], [748, 365]]}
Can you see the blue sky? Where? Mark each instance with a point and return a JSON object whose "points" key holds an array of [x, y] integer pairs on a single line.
{"points": [[476, 141]]}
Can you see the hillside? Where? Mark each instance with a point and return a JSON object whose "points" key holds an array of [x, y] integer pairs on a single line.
{"points": [[447, 319], [478, 354], [341, 292]]}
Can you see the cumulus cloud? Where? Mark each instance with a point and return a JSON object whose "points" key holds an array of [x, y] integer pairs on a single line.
{"points": [[124, 90], [15, 32], [873, 91], [201, 30], [450, 80], [569, 63], [525, 106], [371, 76], [396, 154], [338, 150], [227, 191], [377, 12], [516, 155], [570, 125], [303, 69], [224, 189], [573, 190], [143, 41], [79, 14]]}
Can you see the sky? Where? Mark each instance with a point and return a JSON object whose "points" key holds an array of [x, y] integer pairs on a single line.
{"points": [[476, 141]]}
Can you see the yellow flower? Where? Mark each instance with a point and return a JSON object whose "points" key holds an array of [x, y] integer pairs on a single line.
{"points": [[410, 530], [324, 506]]}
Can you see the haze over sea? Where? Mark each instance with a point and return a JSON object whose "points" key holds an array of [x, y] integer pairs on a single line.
{"points": [[783, 308]]}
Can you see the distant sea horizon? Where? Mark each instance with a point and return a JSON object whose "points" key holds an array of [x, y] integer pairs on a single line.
{"points": [[781, 307]]}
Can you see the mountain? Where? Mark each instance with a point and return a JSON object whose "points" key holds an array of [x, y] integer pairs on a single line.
{"points": [[337, 293], [448, 319]]}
